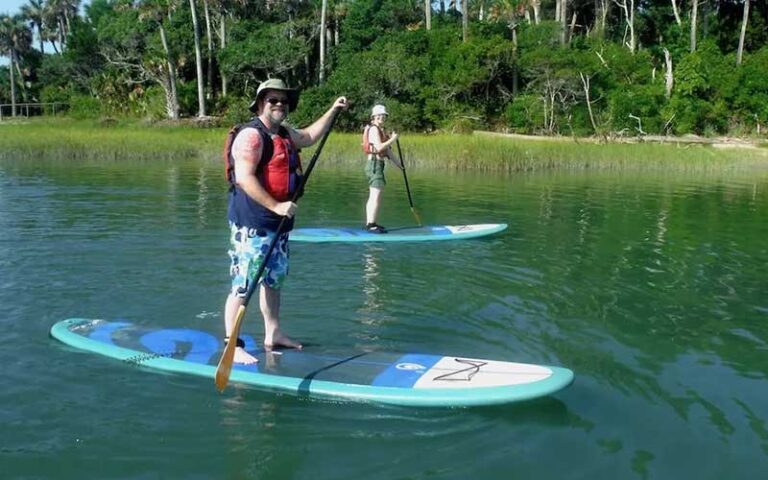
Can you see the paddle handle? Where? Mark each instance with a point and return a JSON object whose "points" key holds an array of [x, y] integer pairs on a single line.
{"points": [[405, 178], [228, 356]]}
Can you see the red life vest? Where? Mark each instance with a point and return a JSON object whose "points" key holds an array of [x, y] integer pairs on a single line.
{"points": [[369, 149], [279, 169]]}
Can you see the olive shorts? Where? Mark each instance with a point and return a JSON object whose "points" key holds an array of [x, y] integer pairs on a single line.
{"points": [[374, 171]]}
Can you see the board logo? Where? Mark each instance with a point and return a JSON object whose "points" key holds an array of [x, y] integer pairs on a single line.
{"points": [[409, 366]]}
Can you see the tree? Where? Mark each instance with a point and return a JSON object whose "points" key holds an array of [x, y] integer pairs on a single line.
{"points": [[323, 11], [694, 21], [15, 39], [34, 12], [743, 33], [464, 19], [198, 62], [628, 6]]}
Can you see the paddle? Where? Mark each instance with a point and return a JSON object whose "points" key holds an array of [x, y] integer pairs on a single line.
{"points": [[405, 177], [227, 358]]}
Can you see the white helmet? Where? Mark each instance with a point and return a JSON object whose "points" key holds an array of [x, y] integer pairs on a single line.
{"points": [[379, 110]]}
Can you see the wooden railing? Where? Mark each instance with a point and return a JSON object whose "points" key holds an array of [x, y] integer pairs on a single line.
{"points": [[31, 109]]}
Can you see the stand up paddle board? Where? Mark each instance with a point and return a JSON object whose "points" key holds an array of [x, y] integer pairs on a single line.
{"points": [[400, 379], [405, 234]]}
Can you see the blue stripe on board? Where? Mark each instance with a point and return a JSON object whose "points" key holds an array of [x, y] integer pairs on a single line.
{"points": [[163, 342], [406, 371], [441, 231], [104, 332]]}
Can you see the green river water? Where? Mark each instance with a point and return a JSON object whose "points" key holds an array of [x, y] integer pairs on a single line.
{"points": [[652, 288]]}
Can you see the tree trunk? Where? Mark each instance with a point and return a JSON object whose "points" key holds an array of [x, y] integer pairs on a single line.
{"points": [[740, 52], [209, 37], [169, 83], [536, 11], [223, 29], [604, 6], [13, 87], [585, 84], [40, 37], [61, 34], [677, 13], [323, 11], [694, 15], [563, 21], [198, 62], [629, 15], [428, 13], [464, 20], [668, 74]]}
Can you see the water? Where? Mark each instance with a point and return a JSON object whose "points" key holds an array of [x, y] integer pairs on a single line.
{"points": [[652, 288]]}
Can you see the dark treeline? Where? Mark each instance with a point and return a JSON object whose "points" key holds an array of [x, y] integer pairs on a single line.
{"points": [[569, 67]]}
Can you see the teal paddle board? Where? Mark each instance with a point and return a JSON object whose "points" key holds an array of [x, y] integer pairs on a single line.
{"points": [[410, 379], [404, 234]]}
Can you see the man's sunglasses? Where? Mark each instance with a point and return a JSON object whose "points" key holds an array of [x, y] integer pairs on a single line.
{"points": [[275, 101]]}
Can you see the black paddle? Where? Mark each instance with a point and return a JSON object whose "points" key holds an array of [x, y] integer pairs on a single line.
{"points": [[405, 177], [227, 358]]}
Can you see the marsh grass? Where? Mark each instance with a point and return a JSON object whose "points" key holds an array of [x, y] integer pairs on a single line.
{"points": [[64, 139]]}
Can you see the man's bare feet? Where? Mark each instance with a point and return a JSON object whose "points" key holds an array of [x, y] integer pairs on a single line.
{"points": [[280, 340], [244, 358]]}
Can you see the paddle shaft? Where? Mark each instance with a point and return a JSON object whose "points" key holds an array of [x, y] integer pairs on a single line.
{"points": [[227, 358], [405, 178]]}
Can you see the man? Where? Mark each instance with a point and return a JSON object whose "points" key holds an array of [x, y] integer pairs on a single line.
{"points": [[377, 145], [264, 172]]}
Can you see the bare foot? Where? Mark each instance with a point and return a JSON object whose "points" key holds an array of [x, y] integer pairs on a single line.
{"points": [[280, 340], [243, 357]]}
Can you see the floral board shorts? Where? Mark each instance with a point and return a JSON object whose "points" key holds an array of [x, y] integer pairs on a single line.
{"points": [[249, 245], [374, 171]]}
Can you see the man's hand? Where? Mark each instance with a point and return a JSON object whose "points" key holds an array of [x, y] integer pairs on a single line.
{"points": [[341, 103], [285, 209]]}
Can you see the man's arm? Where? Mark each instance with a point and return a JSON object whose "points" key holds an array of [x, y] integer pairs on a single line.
{"points": [[308, 136], [246, 150]]}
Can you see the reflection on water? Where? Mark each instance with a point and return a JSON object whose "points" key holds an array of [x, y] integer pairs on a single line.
{"points": [[370, 281], [651, 288]]}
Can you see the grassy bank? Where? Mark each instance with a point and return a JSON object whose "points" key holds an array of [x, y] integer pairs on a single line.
{"points": [[99, 141]]}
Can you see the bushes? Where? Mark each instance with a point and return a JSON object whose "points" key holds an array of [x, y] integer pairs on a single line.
{"points": [[84, 106]]}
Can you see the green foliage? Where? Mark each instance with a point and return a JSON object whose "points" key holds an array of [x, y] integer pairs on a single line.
{"points": [[258, 50], [642, 101], [524, 114], [151, 103], [510, 74], [83, 107]]}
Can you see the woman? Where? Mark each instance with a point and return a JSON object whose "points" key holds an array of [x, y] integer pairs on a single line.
{"points": [[377, 146]]}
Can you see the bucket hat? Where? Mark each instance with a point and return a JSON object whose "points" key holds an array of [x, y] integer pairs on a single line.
{"points": [[379, 110], [275, 84]]}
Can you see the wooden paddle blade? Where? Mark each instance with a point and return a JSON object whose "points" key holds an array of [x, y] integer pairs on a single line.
{"points": [[228, 357], [413, 209]]}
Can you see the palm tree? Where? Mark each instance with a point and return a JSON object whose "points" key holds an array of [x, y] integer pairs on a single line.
{"points": [[15, 39], [157, 11], [61, 13], [34, 12]]}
